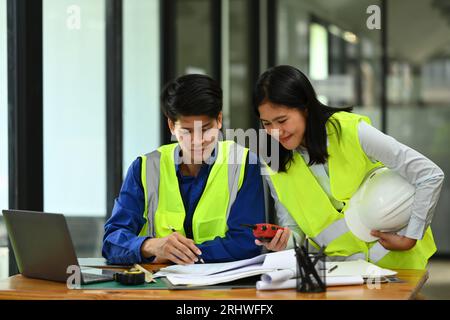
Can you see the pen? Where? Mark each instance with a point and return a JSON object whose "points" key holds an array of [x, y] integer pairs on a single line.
{"points": [[200, 260], [333, 268]]}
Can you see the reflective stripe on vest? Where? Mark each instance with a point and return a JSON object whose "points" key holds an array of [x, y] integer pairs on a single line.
{"points": [[235, 160], [150, 165], [333, 231], [356, 256], [377, 252], [235, 170]]}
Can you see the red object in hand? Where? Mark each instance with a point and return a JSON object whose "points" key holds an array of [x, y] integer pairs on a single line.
{"points": [[263, 231]]}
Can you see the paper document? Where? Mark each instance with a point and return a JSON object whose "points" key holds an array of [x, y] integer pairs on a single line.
{"points": [[222, 277], [357, 268], [281, 260], [205, 269], [292, 283]]}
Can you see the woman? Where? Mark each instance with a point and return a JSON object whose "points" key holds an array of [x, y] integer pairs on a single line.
{"points": [[325, 153]]}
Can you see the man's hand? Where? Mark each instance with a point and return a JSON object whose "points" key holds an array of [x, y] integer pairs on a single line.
{"points": [[175, 248], [392, 241], [278, 242]]}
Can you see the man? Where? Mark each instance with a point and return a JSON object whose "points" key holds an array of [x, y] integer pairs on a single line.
{"points": [[186, 201]]}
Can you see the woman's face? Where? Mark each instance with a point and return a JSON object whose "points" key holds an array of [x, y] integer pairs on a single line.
{"points": [[287, 125], [197, 136]]}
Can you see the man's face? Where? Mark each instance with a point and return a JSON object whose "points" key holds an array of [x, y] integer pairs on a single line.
{"points": [[197, 136]]}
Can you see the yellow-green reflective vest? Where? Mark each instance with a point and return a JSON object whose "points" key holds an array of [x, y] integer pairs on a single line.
{"points": [[298, 193], [164, 208]]}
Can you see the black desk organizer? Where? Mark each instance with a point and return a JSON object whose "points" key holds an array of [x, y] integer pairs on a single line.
{"points": [[311, 269]]}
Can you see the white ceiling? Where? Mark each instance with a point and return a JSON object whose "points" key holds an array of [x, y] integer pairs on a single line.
{"points": [[416, 28]]}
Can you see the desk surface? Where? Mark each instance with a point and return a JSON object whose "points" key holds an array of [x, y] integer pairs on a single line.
{"points": [[20, 287]]}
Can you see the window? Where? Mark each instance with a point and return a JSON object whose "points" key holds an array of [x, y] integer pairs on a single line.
{"points": [[74, 107], [418, 92], [333, 46], [75, 118], [3, 109], [141, 83], [318, 54], [241, 114], [293, 33], [3, 139], [193, 37]]}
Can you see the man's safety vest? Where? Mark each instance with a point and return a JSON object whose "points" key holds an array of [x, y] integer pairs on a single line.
{"points": [[164, 209]]}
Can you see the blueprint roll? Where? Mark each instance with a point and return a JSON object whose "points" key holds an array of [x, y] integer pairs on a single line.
{"points": [[291, 283], [288, 284], [278, 276]]}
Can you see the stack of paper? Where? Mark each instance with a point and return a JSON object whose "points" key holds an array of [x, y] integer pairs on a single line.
{"points": [[205, 269], [214, 273], [227, 276], [278, 270]]}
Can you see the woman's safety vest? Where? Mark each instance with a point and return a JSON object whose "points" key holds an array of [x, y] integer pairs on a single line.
{"points": [[299, 194]]}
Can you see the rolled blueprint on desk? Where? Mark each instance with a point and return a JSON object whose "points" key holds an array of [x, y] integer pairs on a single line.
{"points": [[292, 283], [278, 276], [287, 284]]}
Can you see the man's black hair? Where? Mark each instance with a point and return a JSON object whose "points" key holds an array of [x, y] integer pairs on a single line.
{"points": [[191, 95]]}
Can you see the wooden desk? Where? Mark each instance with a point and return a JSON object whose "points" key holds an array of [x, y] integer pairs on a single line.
{"points": [[19, 287]]}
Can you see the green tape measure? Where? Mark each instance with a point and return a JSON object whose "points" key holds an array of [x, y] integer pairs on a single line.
{"points": [[130, 277]]}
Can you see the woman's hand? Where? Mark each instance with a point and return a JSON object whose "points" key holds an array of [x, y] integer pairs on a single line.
{"points": [[175, 248], [278, 242], [392, 241]]}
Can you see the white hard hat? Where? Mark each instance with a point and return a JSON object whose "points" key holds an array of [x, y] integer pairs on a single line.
{"points": [[383, 202]]}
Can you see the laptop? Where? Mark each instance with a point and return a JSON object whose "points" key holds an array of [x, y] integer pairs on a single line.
{"points": [[44, 249]]}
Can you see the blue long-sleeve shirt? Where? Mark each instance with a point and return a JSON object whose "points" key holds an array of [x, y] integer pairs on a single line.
{"points": [[122, 243]]}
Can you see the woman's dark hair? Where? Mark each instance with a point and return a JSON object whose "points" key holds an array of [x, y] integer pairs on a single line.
{"points": [[288, 86], [191, 95]]}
